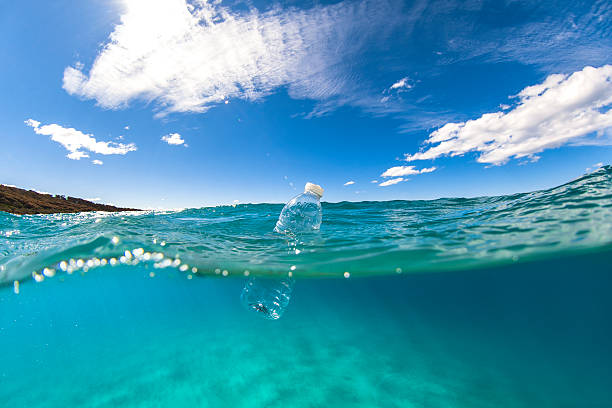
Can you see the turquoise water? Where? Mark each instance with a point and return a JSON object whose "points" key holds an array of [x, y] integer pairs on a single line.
{"points": [[497, 301]]}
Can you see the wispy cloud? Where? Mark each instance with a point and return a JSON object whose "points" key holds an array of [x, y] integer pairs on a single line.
{"points": [[401, 84], [173, 139], [391, 182], [554, 36], [189, 56], [348, 183], [562, 109], [399, 171], [550, 37], [97, 162], [78, 143], [395, 89]]}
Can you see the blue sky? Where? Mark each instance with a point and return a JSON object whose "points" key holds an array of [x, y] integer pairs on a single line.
{"points": [[174, 103]]}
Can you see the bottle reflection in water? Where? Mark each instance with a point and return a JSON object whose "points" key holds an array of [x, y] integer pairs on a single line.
{"points": [[268, 297]]}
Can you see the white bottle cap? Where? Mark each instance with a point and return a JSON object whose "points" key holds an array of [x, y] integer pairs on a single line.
{"points": [[314, 189]]}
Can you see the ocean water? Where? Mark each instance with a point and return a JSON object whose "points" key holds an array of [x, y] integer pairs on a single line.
{"points": [[486, 302]]}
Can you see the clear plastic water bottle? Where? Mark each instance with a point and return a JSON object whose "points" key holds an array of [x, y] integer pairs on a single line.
{"points": [[302, 213], [268, 297]]}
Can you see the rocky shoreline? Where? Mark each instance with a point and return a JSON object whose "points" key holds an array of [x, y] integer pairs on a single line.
{"points": [[19, 201]]}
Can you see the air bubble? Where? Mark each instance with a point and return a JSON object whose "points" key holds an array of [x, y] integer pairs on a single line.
{"points": [[48, 272]]}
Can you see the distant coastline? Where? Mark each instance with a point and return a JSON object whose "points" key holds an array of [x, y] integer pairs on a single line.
{"points": [[19, 201]]}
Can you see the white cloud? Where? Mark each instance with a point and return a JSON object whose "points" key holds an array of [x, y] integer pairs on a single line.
{"points": [[173, 139], [535, 90], [348, 183], [399, 171], [97, 162], [77, 142], [428, 169], [391, 182], [126, 127], [187, 57], [93, 199], [563, 109], [401, 84], [32, 123], [374, 181], [594, 167]]}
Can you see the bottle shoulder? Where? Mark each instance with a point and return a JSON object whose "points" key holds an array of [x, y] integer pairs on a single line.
{"points": [[306, 197]]}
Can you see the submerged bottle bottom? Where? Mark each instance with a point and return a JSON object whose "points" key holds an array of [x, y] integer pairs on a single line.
{"points": [[267, 298]]}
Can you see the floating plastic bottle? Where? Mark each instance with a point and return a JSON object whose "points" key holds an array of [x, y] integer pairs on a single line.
{"points": [[268, 297], [302, 213]]}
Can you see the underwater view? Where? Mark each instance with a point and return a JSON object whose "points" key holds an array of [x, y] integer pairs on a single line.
{"points": [[492, 301]]}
